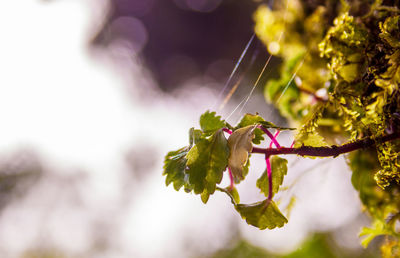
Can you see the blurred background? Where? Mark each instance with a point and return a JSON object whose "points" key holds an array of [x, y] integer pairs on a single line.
{"points": [[93, 94]]}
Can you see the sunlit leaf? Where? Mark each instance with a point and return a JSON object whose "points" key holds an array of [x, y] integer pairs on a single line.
{"points": [[388, 155], [232, 193], [240, 144], [390, 248], [345, 37], [267, 124], [349, 72], [250, 119], [390, 31], [262, 215], [206, 162], [205, 195], [369, 234], [279, 170], [210, 122], [312, 139]]}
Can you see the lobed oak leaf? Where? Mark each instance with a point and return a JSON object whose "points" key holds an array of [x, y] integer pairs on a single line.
{"points": [[312, 139]]}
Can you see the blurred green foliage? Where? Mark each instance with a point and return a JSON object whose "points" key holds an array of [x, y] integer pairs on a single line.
{"points": [[316, 246]]}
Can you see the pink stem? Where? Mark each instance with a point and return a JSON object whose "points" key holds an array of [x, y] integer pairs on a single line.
{"points": [[226, 130], [269, 174], [268, 162], [270, 136], [269, 169], [231, 178], [291, 146], [276, 135]]}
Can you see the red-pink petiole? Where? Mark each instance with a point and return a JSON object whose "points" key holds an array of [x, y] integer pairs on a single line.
{"points": [[269, 174], [276, 135], [270, 136], [226, 130], [231, 178]]}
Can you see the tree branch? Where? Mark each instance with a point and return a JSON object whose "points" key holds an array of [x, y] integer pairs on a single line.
{"points": [[328, 151]]}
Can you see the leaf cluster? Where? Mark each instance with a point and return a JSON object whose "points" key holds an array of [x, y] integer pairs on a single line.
{"points": [[199, 167]]}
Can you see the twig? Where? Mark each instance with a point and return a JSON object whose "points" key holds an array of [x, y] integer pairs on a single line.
{"points": [[328, 151]]}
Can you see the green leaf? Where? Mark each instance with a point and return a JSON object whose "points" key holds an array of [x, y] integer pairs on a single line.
{"points": [[262, 215], [194, 136], [240, 144], [272, 89], [206, 162], [379, 228], [349, 72], [232, 193], [283, 92], [344, 38], [210, 123], [205, 196], [364, 164], [388, 155], [312, 139], [174, 168], [267, 124], [250, 119], [390, 31], [245, 171], [263, 184], [279, 170]]}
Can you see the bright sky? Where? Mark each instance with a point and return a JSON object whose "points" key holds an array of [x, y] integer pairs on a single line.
{"points": [[74, 109]]}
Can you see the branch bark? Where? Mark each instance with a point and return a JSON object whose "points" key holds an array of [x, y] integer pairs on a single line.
{"points": [[328, 151]]}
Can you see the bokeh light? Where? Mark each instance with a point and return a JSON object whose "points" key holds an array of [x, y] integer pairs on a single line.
{"points": [[131, 30]]}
